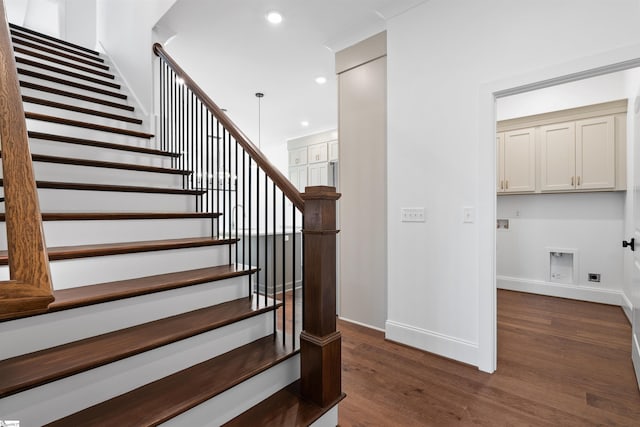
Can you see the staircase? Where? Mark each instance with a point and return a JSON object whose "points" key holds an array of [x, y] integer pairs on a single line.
{"points": [[162, 313]]}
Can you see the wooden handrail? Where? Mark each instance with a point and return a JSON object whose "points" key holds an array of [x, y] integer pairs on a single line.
{"points": [[276, 176], [30, 289]]}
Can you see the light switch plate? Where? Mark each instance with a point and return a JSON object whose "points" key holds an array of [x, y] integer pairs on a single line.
{"points": [[412, 215], [469, 214]]}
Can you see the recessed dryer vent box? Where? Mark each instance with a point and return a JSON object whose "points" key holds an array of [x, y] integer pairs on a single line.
{"points": [[562, 265]]}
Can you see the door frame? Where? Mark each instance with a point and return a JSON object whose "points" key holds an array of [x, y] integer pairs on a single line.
{"points": [[608, 62]]}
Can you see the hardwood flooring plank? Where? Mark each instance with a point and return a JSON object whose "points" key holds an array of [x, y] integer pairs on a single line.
{"points": [[560, 363]]}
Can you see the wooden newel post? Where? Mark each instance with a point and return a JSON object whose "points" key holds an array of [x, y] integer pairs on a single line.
{"points": [[320, 353]]}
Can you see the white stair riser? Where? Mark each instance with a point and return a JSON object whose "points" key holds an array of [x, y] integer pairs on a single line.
{"points": [[71, 273], [55, 200], [75, 102], [63, 149], [329, 419], [55, 400], [74, 53], [238, 399], [86, 232], [80, 132], [61, 86], [49, 330], [66, 68], [45, 171], [86, 271], [80, 117]]}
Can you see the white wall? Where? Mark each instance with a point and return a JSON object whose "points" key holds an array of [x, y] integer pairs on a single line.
{"points": [[592, 224], [124, 29], [80, 22], [443, 55]]}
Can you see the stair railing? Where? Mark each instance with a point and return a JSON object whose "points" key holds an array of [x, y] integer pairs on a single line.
{"points": [[29, 290], [266, 213]]}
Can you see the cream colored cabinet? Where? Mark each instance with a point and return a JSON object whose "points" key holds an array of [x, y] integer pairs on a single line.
{"points": [[557, 157], [578, 155], [595, 153], [333, 151], [516, 161]]}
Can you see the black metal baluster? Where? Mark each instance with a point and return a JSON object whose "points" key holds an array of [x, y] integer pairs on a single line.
{"points": [[273, 252], [258, 228], [293, 278], [284, 272], [250, 213], [266, 238], [217, 176], [235, 174]]}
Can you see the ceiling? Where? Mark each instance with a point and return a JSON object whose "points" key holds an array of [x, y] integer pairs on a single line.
{"points": [[231, 50]]}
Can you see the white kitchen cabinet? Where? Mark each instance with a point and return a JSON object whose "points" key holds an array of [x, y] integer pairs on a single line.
{"points": [[516, 161], [298, 177], [318, 174], [578, 155], [318, 153], [298, 157], [333, 151]]}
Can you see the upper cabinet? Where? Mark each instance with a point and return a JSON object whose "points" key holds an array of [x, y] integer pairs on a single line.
{"points": [[517, 161], [312, 159], [586, 153]]}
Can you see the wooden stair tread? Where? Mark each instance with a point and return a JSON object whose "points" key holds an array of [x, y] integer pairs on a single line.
{"points": [[34, 369], [86, 125], [63, 62], [120, 248], [75, 108], [16, 40], [100, 144], [65, 72], [283, 408], [110, 291], [110, 216], [170, 396], [114, 188], [41, 88], [70, 83], [48, 37], [110, 165]]}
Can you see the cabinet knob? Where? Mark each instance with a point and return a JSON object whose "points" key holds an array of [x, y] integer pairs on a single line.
{"points": [[578, 183]]}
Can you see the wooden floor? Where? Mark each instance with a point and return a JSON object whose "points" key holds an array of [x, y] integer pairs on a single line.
{"points": [[560, 363]]}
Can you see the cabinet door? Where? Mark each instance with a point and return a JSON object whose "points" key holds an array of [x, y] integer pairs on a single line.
{"points": [[519, 161], [333, 150], [595, 153], [318, 174], [298, 157], [318, 153], [557, 155], [298, 177], [500, 162]]}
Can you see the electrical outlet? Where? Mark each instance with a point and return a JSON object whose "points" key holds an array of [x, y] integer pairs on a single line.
{"points": [[594, 277], [412, 215]]}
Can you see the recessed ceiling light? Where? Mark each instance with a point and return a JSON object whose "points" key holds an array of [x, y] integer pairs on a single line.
{"points": [[274, 17], [304, 123], [321, 80]]}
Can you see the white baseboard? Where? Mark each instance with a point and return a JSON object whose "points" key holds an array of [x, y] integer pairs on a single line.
{"points": [[583, 293], [355, 322], [635, 355], [433, 342], [627, 307]]}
